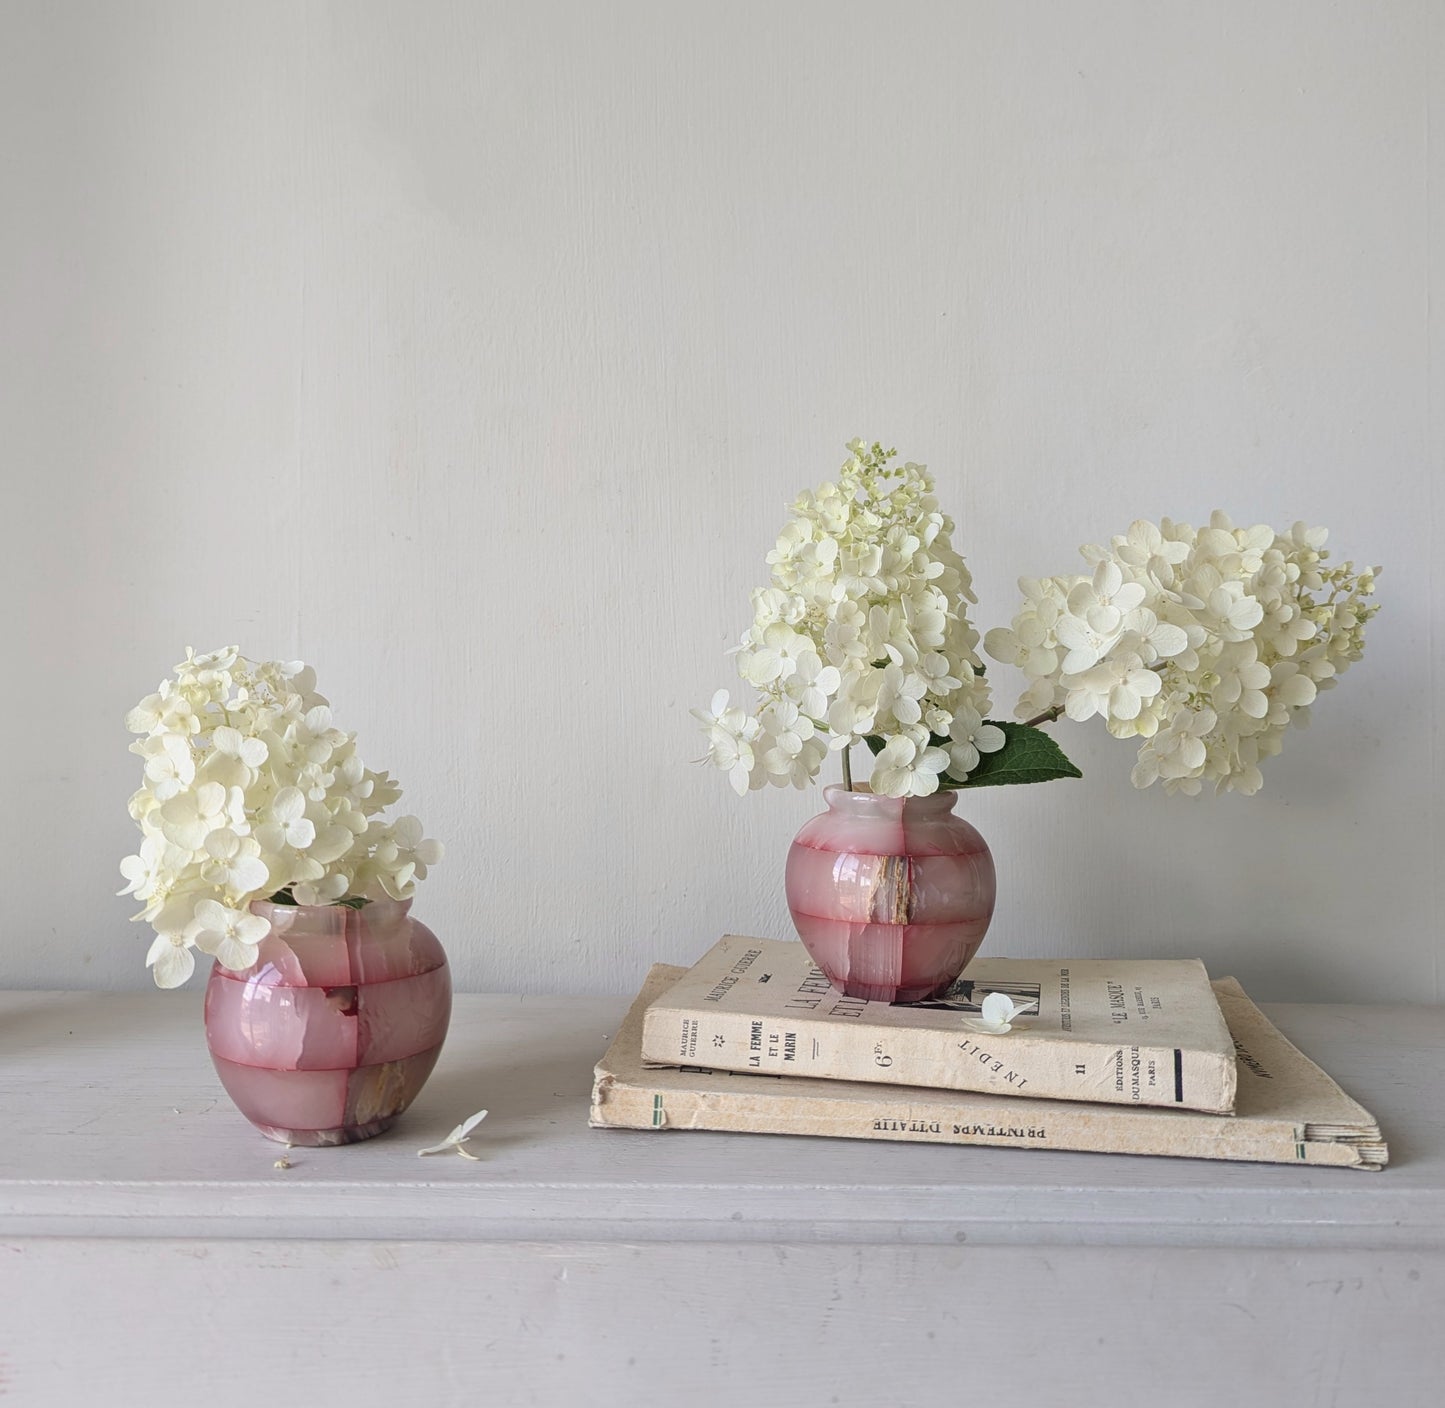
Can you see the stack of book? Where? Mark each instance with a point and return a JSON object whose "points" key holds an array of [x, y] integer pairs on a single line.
{"points": [[1129, 1056]]}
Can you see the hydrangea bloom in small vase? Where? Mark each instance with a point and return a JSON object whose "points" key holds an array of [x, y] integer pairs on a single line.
{"points": [[264, 847], [863, 634]]}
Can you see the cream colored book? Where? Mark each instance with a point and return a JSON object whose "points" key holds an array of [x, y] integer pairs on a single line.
{"points": [[1126, 1031], [1287, 1109]]}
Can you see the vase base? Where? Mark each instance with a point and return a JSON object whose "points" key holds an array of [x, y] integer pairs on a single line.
{"points": [[887, 992], [326, 1138]]}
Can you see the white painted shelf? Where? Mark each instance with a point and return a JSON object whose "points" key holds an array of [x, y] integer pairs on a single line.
{"points": [[117, 1125], [124, 1166]]}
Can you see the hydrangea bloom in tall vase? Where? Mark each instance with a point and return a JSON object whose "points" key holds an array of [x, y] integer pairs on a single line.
{"points": [[863, 634], [1205, 645]]}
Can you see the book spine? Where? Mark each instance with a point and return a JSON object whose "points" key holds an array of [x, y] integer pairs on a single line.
{"points": [[617, 1106], [1006, 1064]]}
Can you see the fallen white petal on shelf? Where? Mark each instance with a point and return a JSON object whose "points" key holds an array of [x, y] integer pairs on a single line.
{"points": [[457, 1138]]}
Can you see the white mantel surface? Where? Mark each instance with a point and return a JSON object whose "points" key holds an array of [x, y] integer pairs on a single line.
{"points": [[568, 1260]]}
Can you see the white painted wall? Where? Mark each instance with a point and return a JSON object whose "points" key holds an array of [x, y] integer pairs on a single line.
{"points": [[472, 351]]}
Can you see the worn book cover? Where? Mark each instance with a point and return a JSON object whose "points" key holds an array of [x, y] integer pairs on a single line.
{"points": [[1287, 1109], [1126, 1031]]}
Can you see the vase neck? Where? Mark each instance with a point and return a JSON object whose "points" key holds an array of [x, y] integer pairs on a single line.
{"points": [[299, 921]]}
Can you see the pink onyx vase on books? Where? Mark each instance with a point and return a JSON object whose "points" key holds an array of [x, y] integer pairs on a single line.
{"points": [[891, 896]]}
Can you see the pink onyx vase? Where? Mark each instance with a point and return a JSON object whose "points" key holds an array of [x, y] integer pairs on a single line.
{"points": [[891, 896], [332, 1032]]}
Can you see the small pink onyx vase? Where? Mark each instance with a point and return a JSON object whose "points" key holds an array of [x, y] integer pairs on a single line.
{"points": [[890, 895], [334, 1029]]}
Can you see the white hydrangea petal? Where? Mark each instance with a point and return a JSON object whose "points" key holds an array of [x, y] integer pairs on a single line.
{"points": [[249, 875], [1168, 640], [222, 844], [250, 928], [288, 805], [989, 738], [457, 1139], [986, 1026], [171, 964], [232, 953]]}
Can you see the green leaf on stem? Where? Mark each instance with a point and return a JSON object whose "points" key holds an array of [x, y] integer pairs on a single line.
{"points": [[1029, 755]]}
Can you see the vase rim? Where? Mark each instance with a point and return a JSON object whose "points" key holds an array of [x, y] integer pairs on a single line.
{"points": [[863, 800], [303, 917], [268, 905]]}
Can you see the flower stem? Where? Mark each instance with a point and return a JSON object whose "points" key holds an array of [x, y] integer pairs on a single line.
{"points": [[847, 772], [1047, 717]]}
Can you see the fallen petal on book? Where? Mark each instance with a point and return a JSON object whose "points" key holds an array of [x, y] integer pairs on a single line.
{"points": [[999, 1011], [891, 896]]}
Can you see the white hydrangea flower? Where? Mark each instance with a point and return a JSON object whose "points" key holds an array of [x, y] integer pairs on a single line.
{"points": [[189, 817], [1032, 642], [1179, 751], [166, 711], [1231, 613], [968, 737], [235, 863], [862, 632], [730, 735], [1153, 640], [170, 766], [401, 856], [1116, 688], [1105, 600], [146, 873], [251, 790], [327, 890], [812, 684], [1144, 552], [852, 715], [785, 767], [1241, 679], [230, 935], [934, 670], [787, 726], [1289, 688], [904, 769], [899, 694], [1206, 644]]}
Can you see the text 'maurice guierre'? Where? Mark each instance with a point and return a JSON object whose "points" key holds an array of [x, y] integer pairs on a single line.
{"points": [[719, 991]]}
